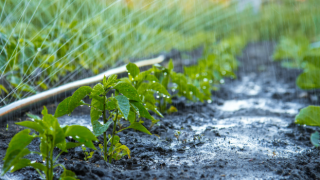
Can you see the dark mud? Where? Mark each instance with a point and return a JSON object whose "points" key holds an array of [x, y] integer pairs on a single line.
{"points": [[246, 132]]}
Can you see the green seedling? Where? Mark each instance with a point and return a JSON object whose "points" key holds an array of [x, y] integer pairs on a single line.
{"points": [[51, 136], [148, 86], [178, 83], [124, 102], [7, 128], [177, 134], [87, 155]]}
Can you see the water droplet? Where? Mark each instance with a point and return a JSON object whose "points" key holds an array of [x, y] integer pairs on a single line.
{"points": [[191, 92], [221, 81], [210, 81], [128, 73], [173, 90], [39, 49], [204, 87], [184, 92], [157, 91], [153, 81], [165, 73], [205, 79], [209, 101], [197, 75], [223, 72], [158, 96], [164, 96]]}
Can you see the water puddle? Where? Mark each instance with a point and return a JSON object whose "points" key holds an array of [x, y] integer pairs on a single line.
{"points": [[83, 120], [260, 103]]}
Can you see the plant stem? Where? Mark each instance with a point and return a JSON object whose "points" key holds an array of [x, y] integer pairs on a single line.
{"points": [[47, 164], [51, 162], [105, 133], [113, 133]]}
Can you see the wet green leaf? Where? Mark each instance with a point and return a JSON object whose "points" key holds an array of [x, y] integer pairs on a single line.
{"points": [[16, 149], [123, 105], [170, 65], [138, 126], [34, 117], [77, 96], [81, 134], [142, 110], [315, 139], [99, 129], [158, 88], [127, 90], [98, 90], [110, 81], [133, 69], [309, 116], [309, 80], [32, 125], [63, 108]]}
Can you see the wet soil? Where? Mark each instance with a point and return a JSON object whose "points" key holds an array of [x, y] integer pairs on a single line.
{"points": [[246, 132]]}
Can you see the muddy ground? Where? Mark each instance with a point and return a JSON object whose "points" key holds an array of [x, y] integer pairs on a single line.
{"points": [[246, 132]]}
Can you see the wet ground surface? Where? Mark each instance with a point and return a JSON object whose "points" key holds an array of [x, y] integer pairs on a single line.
{"points": [[246, 132]]}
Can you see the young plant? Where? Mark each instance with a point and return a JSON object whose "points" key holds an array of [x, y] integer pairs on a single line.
{"points": [[147, 86], [51, 136], [179, 84], [124, 102], [87, 155]]}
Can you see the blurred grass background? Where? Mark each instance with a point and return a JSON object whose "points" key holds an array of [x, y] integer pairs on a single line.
{"points": [[44, 43]]}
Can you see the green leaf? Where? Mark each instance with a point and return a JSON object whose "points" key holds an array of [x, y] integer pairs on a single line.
{"points": [[67, 174], [71, 145], [314, 60], [77, 96], [63, 108], [309, 116], [133, 69], [16, 149], [309, 80], [97, 90], [110, 81], [32, 125], [127, 90], [34, 117], [99, 129], [22, 164], [54, 129], [95, 114], [158, 87], [111, 103], [153, 108], [39, 166], [142, 110], [170, 65], [138, 126], [123, 105], [132, 117], [315, 139], [81, 134], [151, 78]]}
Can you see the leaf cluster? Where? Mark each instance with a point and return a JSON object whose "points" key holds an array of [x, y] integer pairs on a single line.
{"points": [[51, 136]]}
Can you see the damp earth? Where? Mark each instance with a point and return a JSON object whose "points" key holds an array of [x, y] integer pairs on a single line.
{"points": [[246, 132]]}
